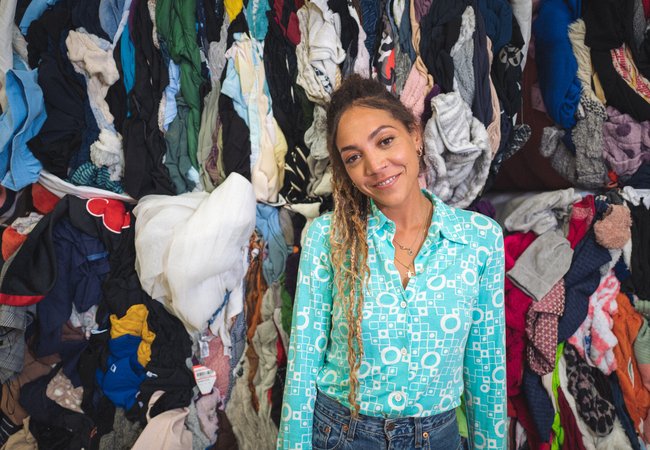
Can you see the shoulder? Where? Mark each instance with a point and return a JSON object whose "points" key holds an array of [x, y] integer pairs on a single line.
{"points": [[475, 228], [318, 231]]}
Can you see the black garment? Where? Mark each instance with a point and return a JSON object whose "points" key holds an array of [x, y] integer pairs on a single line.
{"points": [[608, 25], [281, 68], [482, 103], [85, 14], [439, 31], [580, 282], [640, 251], [641, 178], [506, 71], [236, 151], [53, 426], [621, 411], [116, 95], [64, 92], [349, 28], [212, 21], [169, 352], [144, 145]]}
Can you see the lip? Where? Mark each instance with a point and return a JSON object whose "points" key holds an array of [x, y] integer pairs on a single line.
{"points": [[393, 179]]}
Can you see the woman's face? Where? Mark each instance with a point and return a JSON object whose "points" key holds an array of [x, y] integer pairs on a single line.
{"points": [[379, 154]]}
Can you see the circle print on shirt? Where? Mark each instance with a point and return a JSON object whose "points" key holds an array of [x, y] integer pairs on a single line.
{"points": [[450, 323], [437, 283], [397, 401], [390, 355]]}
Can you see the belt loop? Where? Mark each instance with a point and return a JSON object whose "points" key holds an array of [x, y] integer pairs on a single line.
{"points": [[418, 431], [351, 429]]}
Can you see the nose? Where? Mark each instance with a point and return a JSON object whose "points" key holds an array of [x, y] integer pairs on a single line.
{"points": [[375, 162]]}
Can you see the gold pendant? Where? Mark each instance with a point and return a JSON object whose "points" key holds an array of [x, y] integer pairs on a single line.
{"points": [[409, 274]]}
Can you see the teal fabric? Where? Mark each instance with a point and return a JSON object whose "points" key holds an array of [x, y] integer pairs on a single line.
{"points": [[90, 175], [177, 158], [176, 24], [424, 345]]}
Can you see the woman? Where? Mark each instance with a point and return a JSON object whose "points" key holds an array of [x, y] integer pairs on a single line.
{"points": [[399, 299]]}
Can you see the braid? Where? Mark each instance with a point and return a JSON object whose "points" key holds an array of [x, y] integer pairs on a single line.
{"points": [[348, 238]]}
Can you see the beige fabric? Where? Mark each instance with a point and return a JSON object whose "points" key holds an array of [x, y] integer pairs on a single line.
{"points": [[166, 431], [21, 440]]}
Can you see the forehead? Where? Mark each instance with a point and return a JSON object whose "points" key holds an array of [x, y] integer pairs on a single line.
{"points": [[360, 121]]}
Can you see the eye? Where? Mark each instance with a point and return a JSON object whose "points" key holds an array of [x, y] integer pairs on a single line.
{"points": [[352, 159], [386, 141]]}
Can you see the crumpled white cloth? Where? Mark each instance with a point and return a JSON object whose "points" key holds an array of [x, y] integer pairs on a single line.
{"points": [[540, 213], [320, 51], [458, 153], [191, 250]]}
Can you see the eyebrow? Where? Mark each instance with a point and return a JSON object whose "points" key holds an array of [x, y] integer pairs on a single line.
{"points": [[378, 130]]}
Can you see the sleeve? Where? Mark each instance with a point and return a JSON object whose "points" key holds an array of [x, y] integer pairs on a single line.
{"points": [[310, 330], [485, 362]]}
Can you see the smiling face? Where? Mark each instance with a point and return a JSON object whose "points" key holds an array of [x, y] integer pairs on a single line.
{"points": [[380, 156]]}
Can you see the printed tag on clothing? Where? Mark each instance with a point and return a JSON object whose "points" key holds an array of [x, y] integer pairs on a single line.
{"points": [[204, 348], [205, 378]]}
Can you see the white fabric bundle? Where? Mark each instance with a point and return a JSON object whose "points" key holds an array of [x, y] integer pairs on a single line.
{"points": [[458, 153], [190, 251]]}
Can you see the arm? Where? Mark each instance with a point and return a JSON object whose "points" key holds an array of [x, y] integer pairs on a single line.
{"points": [[485, 362], [310, 329]]}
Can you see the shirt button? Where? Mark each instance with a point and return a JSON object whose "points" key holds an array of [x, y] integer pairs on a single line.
{"points": [[403, 353], [403, 304], [398, 396]]}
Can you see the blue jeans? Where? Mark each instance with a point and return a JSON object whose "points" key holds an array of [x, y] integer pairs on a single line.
{"points": [[335, 429]]}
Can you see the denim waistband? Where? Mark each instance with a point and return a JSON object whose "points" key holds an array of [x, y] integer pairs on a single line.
{"points": [[378, 425]]}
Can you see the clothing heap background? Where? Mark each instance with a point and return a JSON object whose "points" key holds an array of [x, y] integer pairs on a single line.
{"points": [[208, 116]]}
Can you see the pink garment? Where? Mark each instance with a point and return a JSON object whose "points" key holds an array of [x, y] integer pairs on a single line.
{"points": [[615, 228], [516, 307], [594, 339], [625, 67], [414, 92], [206, 409], [166, 431], [541, 328], [626, 142], [218, 362]]}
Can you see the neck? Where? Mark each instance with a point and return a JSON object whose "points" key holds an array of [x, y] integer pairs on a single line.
{"points": [[409, 215]]}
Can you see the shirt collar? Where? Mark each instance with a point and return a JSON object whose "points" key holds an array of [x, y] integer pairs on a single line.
{"points": [[444, 220]]}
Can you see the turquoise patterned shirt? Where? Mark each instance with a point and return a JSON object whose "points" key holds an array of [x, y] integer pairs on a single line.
{"points": [[424, 345]]}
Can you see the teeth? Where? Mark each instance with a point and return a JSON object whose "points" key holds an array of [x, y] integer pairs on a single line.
{"points": [[385, 182]]}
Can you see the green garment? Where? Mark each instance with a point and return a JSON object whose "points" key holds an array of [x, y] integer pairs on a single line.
{"points": [[177, 160], [176, 23], [558, 431], [461, 418]]}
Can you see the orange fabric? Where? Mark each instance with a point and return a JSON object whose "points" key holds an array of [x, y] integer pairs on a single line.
{"points": [[44, 201], [11, 242], [255, 289], [627, 322]]}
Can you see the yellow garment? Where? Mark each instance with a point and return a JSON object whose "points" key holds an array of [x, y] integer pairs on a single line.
{"points": [[21, 440], [415, 39], [233, 8], [134, 323], [598, 89]]}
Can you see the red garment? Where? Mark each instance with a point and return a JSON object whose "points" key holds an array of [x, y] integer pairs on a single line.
{"points": [[572, 435], [44, 201], [516, 307], [292, 28], [582, 215], [517, 407], [646, 8], [541, 328], [11, 242]]}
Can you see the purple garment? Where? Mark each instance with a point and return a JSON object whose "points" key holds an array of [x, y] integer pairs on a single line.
{"points": [[484, 207], [626, 142]]}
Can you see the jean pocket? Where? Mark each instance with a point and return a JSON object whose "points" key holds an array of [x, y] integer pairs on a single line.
{"points": [[327, 435]]}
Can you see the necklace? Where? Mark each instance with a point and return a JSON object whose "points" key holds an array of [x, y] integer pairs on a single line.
{"points": [[409, 250], [409, 274]]}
